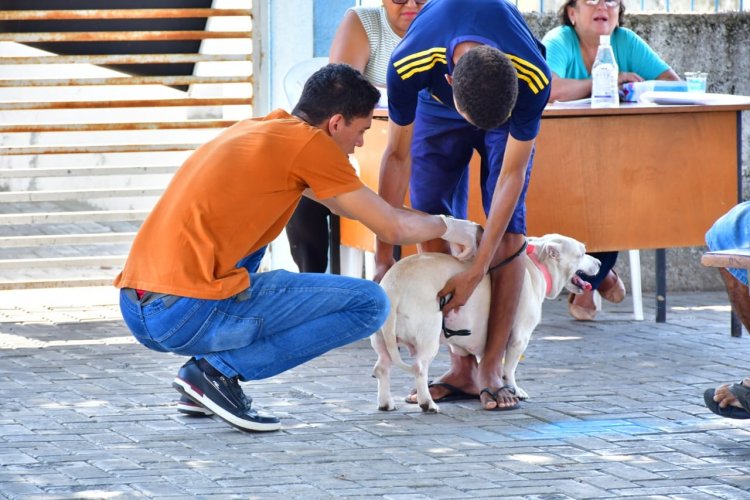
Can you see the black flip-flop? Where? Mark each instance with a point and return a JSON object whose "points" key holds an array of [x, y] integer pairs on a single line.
{"points": [[493, 395], [730, 411], [454, 394]]}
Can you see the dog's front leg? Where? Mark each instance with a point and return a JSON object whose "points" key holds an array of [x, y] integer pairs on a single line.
{"points": [[513, 353]]}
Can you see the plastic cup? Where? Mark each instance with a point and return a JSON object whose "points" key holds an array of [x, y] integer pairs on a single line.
{"points": [[696, 81]]}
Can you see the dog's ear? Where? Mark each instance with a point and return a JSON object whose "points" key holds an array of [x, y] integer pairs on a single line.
{"points": [[553, 250]]}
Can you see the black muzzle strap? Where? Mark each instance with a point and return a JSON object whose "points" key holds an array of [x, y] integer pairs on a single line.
{"points": [[447, 331]]}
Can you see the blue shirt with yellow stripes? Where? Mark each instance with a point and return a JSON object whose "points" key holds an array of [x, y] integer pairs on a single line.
{"points": [[420, 62]]}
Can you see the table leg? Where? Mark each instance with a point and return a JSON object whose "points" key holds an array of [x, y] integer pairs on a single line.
{"points": [[661, 285]]}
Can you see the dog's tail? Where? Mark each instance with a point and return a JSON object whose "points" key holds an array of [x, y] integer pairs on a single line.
{"points": [[391, 344]]}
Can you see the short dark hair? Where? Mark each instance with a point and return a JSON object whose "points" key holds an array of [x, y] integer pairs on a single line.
{"points": [[336, 89], [485, 86], [562, 13]]}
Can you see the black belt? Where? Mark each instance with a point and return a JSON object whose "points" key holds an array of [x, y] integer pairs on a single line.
{"points": [[149, 297], [168, 299]]}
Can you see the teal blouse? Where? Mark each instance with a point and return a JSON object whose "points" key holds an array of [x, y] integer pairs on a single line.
{"points": [[632, 53]]}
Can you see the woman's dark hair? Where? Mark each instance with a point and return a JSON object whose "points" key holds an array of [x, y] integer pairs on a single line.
{"points": [[485, 86], [336, 89], [562, 14]]}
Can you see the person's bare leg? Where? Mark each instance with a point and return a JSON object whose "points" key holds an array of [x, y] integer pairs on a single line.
{"points": [[506, 291], [739, 297], [462, 372]]}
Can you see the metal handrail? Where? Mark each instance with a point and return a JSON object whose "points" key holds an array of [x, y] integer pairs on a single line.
{"points": [[39, 15], [95, 148], [120, 36], [123, 80], [74, 194], [69, 217], [64, 239], [129, 103], [90, 127], [103, 60], [31, 173]]}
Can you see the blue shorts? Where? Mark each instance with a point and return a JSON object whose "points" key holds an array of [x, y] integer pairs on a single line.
{"points": [[732, 230], [441, 150]]}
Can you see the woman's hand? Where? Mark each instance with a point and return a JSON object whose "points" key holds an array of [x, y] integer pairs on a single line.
{"points": [[628, 77]]}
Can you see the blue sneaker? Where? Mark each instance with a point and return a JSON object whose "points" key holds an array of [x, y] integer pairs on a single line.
{"points": [[224, 397]]}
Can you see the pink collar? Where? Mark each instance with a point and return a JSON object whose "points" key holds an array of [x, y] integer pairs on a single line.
{"points": [[530, 249]]}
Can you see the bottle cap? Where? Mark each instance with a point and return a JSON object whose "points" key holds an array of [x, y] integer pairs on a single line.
{"points": [[603, 39]]}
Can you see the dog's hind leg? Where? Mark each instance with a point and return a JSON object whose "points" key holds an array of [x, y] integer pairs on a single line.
{"points": [[382, 372], [425, 352]]}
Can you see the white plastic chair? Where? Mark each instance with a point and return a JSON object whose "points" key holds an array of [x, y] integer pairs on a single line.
{"points": [[297, 75]]}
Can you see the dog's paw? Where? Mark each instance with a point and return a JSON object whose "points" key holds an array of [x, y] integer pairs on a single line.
{"points": [[521, 394], [387, 408], [430, 407]]}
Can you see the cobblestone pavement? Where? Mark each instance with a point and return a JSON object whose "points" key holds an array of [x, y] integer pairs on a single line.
{"points": [[616, 411]]}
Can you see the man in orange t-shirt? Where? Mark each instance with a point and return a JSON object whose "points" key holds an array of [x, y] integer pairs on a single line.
{"points": [[190, 285]]}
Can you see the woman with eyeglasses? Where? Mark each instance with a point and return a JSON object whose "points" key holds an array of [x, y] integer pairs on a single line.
{"points": [[571, 50], [364, 40]]}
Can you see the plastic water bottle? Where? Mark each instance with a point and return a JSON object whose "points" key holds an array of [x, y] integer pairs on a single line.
{"points": [[604, 92]]}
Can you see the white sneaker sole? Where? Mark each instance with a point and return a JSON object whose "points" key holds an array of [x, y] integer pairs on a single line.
{"points": [[193, 409], [233, 420]]}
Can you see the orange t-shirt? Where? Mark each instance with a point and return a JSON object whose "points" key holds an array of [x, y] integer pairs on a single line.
{"points": [[233, 195]]}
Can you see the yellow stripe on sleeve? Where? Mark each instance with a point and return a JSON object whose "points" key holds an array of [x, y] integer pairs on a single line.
{"points": [[531, 85], [529, 69], [417, 55], [421, 65]]}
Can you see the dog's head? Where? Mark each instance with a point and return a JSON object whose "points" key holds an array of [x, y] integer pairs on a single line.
{"points": [[564, 258]]}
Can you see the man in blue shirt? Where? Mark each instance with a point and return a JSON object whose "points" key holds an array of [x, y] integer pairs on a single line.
{"points": [[468, 76], [730, 231]]}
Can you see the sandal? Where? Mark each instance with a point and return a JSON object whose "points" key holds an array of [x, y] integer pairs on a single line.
{"points": [[494, 394], [741, 392], [454, 394]]}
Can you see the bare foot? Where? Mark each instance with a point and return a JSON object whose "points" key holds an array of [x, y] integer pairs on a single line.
{"points": [[582, 306]]}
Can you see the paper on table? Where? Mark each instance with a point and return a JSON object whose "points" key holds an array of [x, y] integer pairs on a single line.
{"points": [[675, 98], [586, 100]]}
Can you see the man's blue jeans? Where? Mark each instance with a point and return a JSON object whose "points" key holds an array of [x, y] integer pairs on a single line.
{"points": [[283, 320]]}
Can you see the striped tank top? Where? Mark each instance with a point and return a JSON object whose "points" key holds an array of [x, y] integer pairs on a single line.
{"points": [[382, 42]]}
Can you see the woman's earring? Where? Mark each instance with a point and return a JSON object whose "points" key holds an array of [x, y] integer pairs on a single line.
{"points": [[573, 22]]}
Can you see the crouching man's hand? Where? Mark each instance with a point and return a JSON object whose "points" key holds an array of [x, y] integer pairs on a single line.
{"points": [[462, 233]]}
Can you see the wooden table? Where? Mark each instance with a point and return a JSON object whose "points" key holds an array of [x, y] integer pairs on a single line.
{"points": [[640, 176]]}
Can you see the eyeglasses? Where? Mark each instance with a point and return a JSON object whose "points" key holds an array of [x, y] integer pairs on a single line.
{"points": [[404, 2], [607, 3]]}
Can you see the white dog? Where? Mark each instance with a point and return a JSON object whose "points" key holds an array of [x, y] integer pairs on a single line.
{"points": [[416, 321]]}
